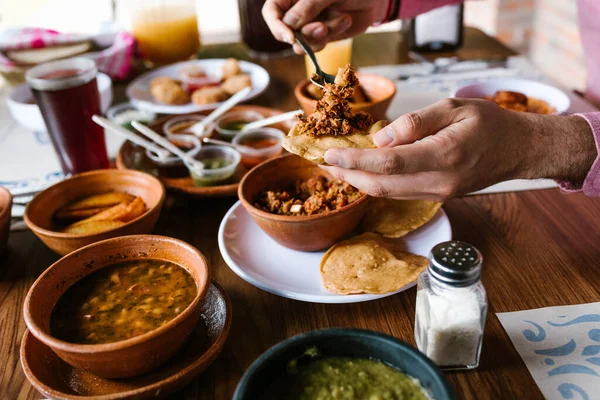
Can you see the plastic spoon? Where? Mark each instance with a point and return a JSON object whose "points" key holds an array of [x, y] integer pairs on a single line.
{"points": [[235, 146], [119, 130], [198, 128], [271, 120], [164, 142]]}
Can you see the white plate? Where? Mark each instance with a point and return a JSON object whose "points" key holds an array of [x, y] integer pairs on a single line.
{"points": [[264, 263], [138, 91]]}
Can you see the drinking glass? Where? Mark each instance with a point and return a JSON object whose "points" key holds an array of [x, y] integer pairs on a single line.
{"points": [[67, 93], [166, 31], [335, 55], [256, 33]]}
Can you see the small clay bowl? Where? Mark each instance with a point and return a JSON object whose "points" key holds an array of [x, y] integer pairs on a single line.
{"points": [[5, 209], [379, 89], [303, 233], [40, 211], [125, 358]]}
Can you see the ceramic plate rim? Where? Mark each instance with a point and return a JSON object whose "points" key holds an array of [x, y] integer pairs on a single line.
{"points": [[310, 298], [246, 66]]}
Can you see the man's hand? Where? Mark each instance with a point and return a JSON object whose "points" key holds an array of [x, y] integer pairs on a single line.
{"points": [[321, 21], [457, 146]]}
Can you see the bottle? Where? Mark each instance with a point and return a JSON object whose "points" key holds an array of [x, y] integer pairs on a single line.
{"points": [[437, 30], [451, 306]]}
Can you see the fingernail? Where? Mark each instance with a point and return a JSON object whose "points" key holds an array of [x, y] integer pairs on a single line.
{"points": [[291, 20], [319, 33], [332, 159], [289, 39], [383, 137]]}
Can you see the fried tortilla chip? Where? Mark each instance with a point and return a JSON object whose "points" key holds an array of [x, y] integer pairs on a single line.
{"points": [[99, 201], [134, 210], [92, 227], [314, 148], [396, 218], [76, 215], [369, 263]]}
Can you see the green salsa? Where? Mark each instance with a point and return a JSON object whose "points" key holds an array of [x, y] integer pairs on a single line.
{"points": [[216, 163], [331, 378], [234, 125]]}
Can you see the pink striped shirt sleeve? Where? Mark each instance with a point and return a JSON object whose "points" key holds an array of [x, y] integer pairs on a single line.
{"points": [[412, 8]]}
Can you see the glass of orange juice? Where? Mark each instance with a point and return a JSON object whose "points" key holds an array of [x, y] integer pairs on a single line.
{"points": [[165, 30], [335, 55]]}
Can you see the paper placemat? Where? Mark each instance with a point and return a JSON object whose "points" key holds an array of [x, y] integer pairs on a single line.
{"points": [[420, 91], [560, 347]]}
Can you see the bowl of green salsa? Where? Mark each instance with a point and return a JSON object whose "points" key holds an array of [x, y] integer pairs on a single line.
{"points": [[344, 364], [220, 163]]}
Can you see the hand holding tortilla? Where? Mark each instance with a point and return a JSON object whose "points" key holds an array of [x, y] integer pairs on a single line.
{"points": [[333, 124]]}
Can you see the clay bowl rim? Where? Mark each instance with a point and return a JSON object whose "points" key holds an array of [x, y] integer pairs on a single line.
{"points": [[62, 345], [5, 203], [49, 391], [300, 91], [62, 235], [288, 218]]}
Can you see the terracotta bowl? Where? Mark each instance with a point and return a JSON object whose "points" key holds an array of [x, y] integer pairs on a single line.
{"points": [[379, 89], [125, 358], [5, 206], [304, 233], [39, 212]]}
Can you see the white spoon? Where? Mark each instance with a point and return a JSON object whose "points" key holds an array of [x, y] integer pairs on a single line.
{"points": [[119, 130], [271, 120], [164, 142], [247, 149], [198, 128]]}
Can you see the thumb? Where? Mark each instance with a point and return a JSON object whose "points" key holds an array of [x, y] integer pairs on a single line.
{"points": [[305, 11], [418, 124]]}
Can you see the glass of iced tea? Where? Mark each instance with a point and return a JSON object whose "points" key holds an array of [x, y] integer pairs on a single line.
{"points": [[67, 93]]}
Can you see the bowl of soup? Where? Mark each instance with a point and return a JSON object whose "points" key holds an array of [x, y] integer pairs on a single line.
{"points": [[121, 307]]}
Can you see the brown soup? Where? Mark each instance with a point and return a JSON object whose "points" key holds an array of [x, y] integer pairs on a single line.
{"points": [[121, 301]]}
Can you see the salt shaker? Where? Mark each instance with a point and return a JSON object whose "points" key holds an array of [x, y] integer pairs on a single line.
{"points": [[451, 306]]}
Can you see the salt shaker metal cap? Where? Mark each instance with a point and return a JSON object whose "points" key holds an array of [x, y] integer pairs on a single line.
{"points": [[456, 263]]}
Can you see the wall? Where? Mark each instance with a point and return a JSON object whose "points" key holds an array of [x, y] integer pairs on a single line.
{"points": [[545, 30]]}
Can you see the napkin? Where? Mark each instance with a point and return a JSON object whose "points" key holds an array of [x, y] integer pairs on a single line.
{"points": [[115, 61], [560, 347]]}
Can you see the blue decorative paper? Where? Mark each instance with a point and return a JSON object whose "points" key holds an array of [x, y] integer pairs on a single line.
{"points": [[560, 347]]}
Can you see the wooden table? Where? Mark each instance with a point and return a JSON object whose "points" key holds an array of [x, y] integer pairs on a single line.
{"points": [[540, 249]]}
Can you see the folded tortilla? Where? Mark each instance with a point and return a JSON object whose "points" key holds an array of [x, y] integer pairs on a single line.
{"points": [[314, 148]]}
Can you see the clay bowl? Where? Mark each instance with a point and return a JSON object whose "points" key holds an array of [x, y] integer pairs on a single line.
{"points": [[125, 358], [5, 207], [55, 379], [131, 157], [303, 233], [379, 89], [39, 212]]}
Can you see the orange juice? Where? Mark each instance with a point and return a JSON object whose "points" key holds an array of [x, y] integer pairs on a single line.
{"points": [[166, 36], [335, 55]]}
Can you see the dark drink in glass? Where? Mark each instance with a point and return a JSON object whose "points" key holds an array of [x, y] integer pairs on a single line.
{"points": [[256, 33], [67, 93]]}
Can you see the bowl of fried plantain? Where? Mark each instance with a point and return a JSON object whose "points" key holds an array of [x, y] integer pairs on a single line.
{"points": [[94, 206]]}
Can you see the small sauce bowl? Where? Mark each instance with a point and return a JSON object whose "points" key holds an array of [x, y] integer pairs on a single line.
{"points": [[259, 145], [220, 163], [178, 126], [230, 124], [172, 166]]}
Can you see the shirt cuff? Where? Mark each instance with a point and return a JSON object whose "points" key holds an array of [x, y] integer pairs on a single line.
{"points": [[591, 184]]}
